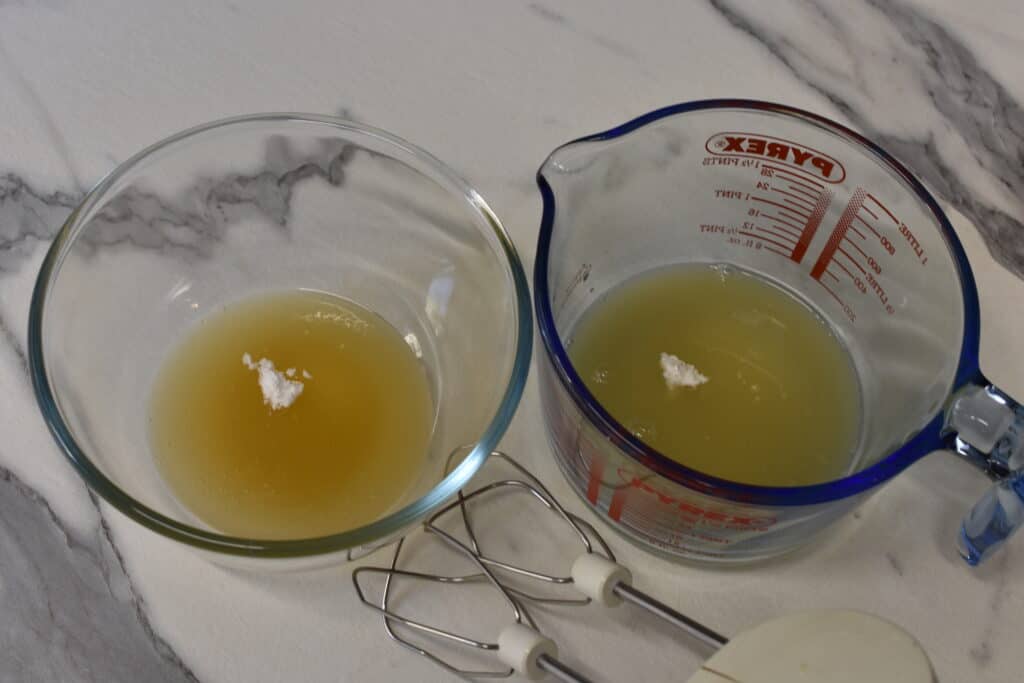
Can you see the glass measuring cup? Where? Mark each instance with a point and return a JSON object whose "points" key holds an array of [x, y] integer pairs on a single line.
{"points": [[822, 212]]}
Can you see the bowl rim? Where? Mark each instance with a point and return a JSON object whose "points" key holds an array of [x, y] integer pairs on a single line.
{"points": [[928, 439], [377, 531]]}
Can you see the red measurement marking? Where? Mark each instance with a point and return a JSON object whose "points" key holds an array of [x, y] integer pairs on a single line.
{"points": [[795, 198], [777, 219], [882, 207], [810, 193], [807, 188], [852, 244], [792, 215], [596, 474], [798, 204], [781, 206], [788, 231], [868, 226], [772, 249], [801, 178], [762, 238], [831, 275], [839, 263], [870, 212], [834, 295], [782, 236], [838, 233], [852, 260], [857, 232], [617, 502], [811, 227]]}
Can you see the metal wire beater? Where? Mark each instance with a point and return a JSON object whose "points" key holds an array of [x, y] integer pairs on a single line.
{"points": [[595, 575]]}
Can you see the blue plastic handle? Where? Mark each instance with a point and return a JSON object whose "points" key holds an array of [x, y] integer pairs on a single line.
{"points": [[992, 520], [990, 426]]}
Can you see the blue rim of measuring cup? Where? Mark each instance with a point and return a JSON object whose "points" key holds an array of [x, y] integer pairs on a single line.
{"points": [[928, 439], [380, 530]]}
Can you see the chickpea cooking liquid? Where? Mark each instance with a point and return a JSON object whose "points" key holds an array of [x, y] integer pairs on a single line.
{"points": [[724, 373], [292, 415]]}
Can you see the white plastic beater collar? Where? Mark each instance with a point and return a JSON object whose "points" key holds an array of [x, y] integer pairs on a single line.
{"points": [[596, 577], [520, 647]]}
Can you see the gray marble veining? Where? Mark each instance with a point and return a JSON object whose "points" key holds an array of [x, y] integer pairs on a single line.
{"points": [[70, 611], [931, 70], [69, 608], [555, 17], [29, 216], [191, 220]]}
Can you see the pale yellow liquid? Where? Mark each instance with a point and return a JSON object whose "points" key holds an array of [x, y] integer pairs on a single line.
{"points": [[781, 406], [341, 455]]}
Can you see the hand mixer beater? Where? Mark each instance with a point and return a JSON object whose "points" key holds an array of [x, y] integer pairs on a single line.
{"points": [[826, 645]]}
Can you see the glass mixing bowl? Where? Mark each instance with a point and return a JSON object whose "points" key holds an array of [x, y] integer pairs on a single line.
{"points": [[262, 203]]}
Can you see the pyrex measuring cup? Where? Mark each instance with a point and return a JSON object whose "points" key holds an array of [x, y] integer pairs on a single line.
{"points": [[822, 212]]}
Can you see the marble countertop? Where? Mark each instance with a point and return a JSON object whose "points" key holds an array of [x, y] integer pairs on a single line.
{"points": [[491, 88]]}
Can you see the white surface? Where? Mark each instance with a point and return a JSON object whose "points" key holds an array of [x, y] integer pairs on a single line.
{"points": [[491, 88], [819, 646]]}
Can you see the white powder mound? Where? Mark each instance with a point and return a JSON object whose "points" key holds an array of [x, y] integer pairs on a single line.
{"points": [[278, 391], [414, 344], [678, 373]]}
